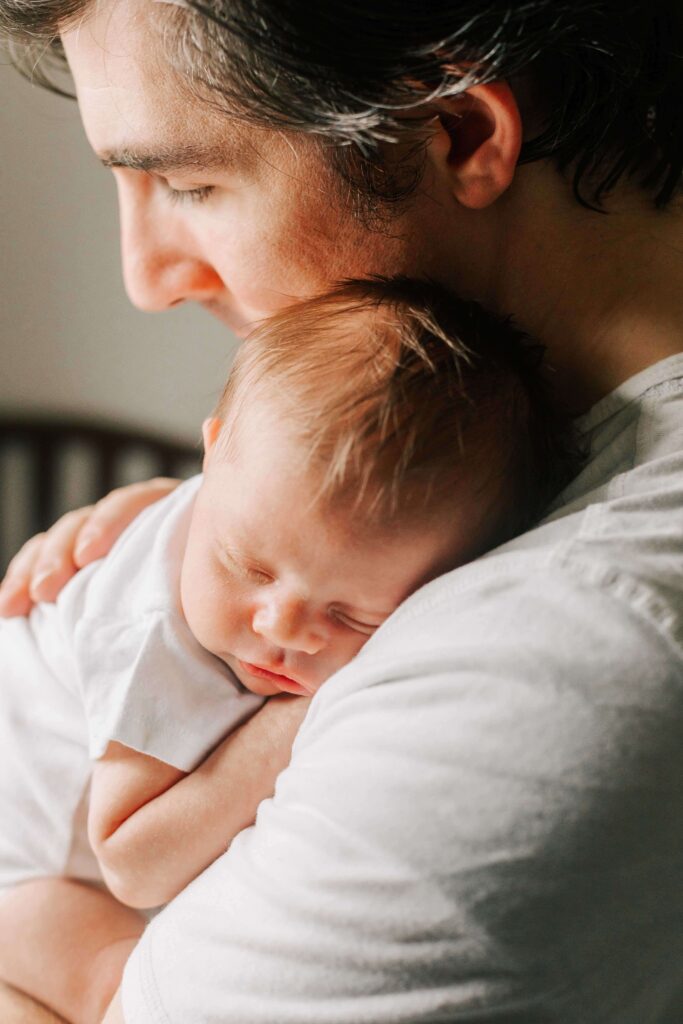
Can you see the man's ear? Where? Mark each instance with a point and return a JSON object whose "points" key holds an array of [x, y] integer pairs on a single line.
{"points": [[476, 143], [211, 428]]}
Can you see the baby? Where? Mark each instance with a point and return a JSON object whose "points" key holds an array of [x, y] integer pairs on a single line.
{"points": [[366, 442]]}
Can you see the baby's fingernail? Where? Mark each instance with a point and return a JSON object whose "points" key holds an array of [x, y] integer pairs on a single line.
{"points": [[85, 541]]}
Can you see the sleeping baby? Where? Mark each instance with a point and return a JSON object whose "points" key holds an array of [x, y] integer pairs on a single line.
{"points": [[366, 442]]}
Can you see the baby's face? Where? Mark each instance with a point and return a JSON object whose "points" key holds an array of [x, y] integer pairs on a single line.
{"points": [[281, 592]]}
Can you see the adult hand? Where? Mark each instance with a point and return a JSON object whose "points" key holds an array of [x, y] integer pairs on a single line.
{"points": [[49, 560]]}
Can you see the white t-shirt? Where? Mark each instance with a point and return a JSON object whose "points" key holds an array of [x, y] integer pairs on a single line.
{"points": [[483, 817], [113, 659]]}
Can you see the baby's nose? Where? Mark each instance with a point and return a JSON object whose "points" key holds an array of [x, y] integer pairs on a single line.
{"points": [[290, 624]]}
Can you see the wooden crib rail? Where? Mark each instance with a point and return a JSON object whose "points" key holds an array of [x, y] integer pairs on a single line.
{"points": [[49, 465]]}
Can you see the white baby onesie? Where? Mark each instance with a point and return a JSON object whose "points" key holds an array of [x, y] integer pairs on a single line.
{"points": [[113, 659]]}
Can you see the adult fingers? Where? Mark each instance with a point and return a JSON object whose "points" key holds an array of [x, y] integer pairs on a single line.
{"points": [[14, 589], [110, 517], [49, 560], [54, 563], [42, 566]]}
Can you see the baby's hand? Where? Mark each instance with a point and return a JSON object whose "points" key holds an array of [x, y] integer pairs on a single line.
{"points": [[48, 561]]}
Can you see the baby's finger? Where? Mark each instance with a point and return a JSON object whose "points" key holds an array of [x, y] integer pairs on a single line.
{"points": [[55, 564], [14, 589], [112, 514]]}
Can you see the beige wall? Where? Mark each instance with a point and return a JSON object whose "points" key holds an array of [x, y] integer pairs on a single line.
{"points": [[70, 341]]}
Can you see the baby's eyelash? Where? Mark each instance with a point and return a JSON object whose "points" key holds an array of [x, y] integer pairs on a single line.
{"points": [[236, 567], [257, 575], [361, 627]]}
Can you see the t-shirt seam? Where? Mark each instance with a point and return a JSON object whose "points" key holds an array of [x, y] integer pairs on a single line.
{"points": [[626, 589], [643, 434], [615, 403], [150, 986]]}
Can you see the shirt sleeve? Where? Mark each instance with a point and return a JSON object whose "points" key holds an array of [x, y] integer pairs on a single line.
{"points": [[481, 823]]}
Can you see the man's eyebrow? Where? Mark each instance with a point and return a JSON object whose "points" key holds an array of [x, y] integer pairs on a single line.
{"points": [[180, 158]]}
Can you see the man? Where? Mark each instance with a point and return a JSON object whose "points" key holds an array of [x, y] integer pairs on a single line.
{"points": [[514, 851]]}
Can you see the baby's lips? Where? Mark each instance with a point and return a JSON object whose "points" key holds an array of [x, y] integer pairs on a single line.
{"points": [[285, 683]]}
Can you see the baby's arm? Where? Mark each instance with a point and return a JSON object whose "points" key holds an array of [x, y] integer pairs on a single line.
{"points": [[154, 828]]}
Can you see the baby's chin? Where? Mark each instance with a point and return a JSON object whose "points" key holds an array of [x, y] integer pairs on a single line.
{"points": [[261, 687]]}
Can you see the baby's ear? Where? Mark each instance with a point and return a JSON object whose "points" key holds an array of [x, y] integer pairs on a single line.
{"points": [[211, 428]]}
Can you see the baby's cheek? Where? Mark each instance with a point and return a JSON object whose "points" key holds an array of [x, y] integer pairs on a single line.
{"points": [[348, 648], [200, 627], [200, 612], [225, 629]]}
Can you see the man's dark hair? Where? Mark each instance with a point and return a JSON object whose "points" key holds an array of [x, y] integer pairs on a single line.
{"points": [[609, 75]]}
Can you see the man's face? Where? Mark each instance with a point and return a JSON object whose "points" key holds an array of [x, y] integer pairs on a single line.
{"points": [[238, 219], [282, 591]]}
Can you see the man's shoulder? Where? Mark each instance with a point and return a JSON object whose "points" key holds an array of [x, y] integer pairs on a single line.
{"points": [[525, 634], [609, 583], [605, 566], [564, 641]]}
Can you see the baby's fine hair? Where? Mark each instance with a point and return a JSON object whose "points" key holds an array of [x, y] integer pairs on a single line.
{"points": [[399, 394]]}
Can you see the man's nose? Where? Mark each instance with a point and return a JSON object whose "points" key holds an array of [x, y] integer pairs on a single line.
{"points": [[288, 623], [162, 264]]}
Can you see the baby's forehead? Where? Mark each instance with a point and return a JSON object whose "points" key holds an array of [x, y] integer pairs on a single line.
{"points": [[258, 428], [264, 438], [267, 455]]}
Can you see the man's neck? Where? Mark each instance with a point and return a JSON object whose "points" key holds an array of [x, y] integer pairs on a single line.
{"points": [[602, 292]]}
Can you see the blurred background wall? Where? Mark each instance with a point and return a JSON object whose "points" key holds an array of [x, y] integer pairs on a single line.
{"points": [[71, 343], [70, 338]]}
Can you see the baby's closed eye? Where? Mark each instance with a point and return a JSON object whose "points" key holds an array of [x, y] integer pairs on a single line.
{"points": [[361, 625]]}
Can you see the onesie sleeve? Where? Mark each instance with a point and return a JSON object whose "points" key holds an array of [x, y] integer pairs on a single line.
{"points": [[150, 686]]}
